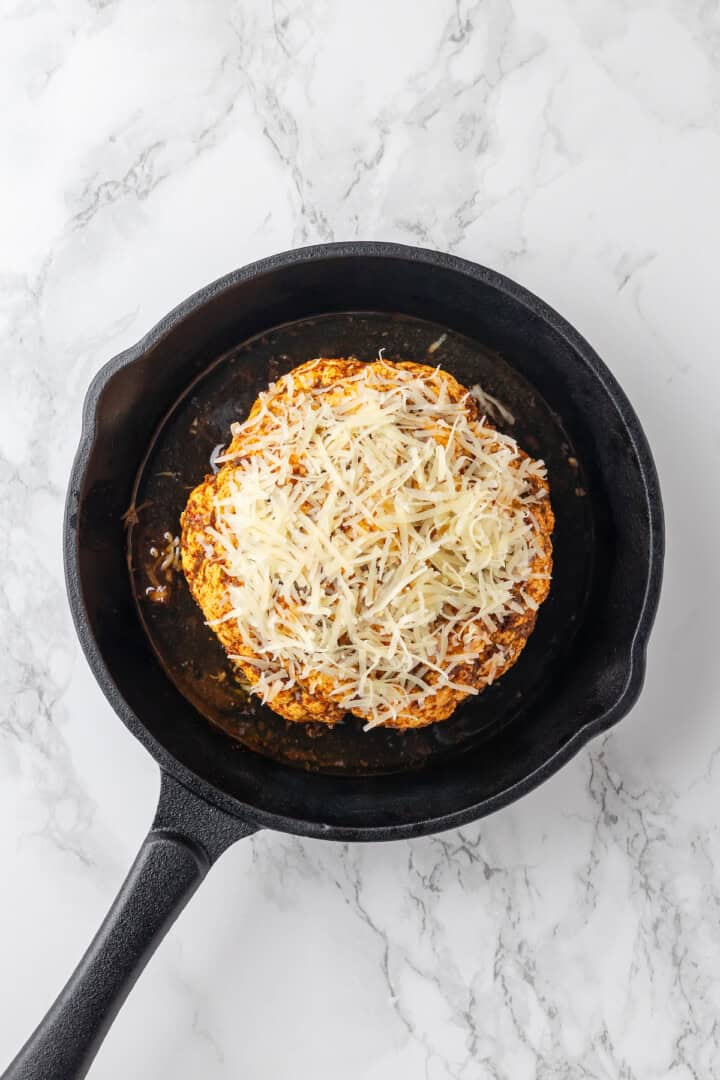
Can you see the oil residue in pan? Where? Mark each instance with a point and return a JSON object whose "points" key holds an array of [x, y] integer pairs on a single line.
{"points": [[180, 458]]}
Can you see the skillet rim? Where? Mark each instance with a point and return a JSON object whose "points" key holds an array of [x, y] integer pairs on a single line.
{"points": [[581, 350]]}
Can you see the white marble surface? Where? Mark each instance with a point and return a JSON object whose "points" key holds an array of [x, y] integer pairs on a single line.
{"points": [[146, 148]]}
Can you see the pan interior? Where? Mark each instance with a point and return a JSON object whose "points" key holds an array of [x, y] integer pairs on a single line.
{"points": [[179, 458]]}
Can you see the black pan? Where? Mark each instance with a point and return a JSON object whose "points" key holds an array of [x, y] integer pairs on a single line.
{"points": [[229, 767]]}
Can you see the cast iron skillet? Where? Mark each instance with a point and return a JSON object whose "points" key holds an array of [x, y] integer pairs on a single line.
{"points": [[152, 417]]}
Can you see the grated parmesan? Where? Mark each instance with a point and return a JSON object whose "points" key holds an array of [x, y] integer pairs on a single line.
{"points": [[374, 541]]}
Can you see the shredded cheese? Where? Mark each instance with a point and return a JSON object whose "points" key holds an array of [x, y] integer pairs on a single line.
{"points": [[373, 541], [490, 405]]}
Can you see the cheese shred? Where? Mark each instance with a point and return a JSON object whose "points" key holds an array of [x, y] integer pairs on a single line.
{"points": [[374, 541]]}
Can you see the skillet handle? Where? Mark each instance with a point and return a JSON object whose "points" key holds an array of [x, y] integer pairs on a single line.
{"points": [[186, 838]]}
